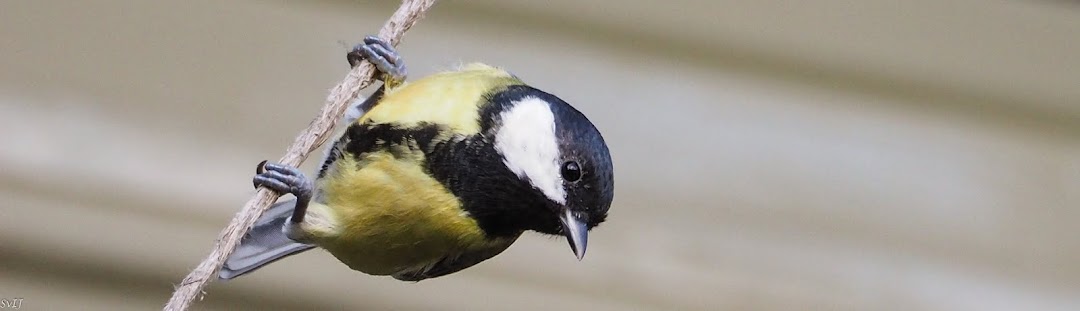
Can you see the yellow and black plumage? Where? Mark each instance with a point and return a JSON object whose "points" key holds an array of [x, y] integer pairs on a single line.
{"points": [[437, 175]]}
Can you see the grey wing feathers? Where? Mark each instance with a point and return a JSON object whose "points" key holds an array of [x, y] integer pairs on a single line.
{"points": [[265, 243]]}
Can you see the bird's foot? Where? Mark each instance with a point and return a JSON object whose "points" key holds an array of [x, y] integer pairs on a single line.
{"points": [[385, 58], [286, 179]]}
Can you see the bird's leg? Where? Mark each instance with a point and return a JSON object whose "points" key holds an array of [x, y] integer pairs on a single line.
{"points": [[286, 179], [359, 107], [385, 58]]}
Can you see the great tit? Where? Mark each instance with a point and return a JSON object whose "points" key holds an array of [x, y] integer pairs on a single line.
{"points": [[435, 175]]}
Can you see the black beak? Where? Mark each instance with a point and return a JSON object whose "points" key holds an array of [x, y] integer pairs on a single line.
{"points": [[577, 233]]}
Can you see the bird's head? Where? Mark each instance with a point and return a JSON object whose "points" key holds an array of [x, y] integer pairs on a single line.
{"points": [[557, 162]]}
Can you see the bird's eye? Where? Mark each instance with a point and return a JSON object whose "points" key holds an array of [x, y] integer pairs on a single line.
{"points": [[571, 171]]}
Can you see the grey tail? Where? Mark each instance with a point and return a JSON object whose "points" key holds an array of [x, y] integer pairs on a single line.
{"points": [[265, 243]]}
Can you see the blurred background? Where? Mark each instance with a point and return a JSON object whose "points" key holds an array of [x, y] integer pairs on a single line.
{"points": [[770, 155]]}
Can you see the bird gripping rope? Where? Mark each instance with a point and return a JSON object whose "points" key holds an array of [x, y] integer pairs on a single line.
{"points": [[307, 141]]}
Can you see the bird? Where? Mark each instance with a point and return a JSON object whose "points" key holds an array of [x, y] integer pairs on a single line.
{"points": [[436, 175]]}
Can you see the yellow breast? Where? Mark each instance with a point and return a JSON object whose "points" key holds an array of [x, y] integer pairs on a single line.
{"points": [[385, 215], [379, 212]]}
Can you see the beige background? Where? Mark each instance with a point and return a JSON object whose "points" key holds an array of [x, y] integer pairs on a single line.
{"points": [[770, 155]]}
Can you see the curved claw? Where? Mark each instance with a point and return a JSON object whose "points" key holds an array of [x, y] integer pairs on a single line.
{"points": [[286, 179], [381, 54]]}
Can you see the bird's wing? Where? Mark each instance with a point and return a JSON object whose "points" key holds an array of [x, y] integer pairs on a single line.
{"points": [[264, 243]]}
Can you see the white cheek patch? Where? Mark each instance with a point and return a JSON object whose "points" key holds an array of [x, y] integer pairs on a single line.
{"points": [[529, 148]]}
